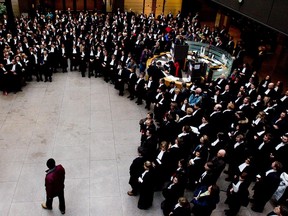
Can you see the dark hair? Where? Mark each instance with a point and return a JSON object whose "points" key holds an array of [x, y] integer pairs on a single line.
{"points": [[221, 136], [278, 165], [51, 163], [215, 191], [180, 141], [150, 114], [183, 163], [140, 150]]}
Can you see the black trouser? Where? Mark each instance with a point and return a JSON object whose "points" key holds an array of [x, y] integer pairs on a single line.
{"points": [[49, 201]]}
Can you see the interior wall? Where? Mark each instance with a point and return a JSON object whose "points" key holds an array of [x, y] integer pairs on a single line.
{"points": [[172, 5], [159, 7], [268, 12], [138, 6], [135, 5], [24, 6], [148, 7]]}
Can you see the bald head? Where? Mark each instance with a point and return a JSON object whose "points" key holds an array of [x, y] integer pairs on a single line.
{"points": [[198, 91], [221, 153]]}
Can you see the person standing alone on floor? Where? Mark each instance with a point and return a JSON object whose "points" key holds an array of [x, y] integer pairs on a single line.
{"points": [[54, 183]]}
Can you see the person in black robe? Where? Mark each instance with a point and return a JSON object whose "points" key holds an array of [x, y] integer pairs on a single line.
{"points": [[280, 210], [172, 192], [63, 58], [205, 200], [146, 187], [237, 195], [4, 79], [140, 89], [265, 186], [182, 208], [136, 169], [82, 63]]}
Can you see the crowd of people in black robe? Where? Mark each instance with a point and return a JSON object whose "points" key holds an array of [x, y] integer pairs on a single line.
{"points": [[96, 44], [193, 131]]}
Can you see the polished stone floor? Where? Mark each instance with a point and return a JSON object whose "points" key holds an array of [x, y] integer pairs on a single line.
{"points": [[85, 126]]}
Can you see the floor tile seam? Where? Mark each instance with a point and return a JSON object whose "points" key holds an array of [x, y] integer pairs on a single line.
{"points": [[34, 201], [107, 159], [105, 196], [60, 110], [90, 143]]}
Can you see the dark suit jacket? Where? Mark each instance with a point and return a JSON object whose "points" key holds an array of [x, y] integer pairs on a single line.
{"points": [[136, 169], [262, 157], [181, 211], [240, 197], [266, 186]]}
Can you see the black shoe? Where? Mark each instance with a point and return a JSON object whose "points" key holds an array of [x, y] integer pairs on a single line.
{"points": [[121, 94], [225, 171], [129, 96], [132, 98]]}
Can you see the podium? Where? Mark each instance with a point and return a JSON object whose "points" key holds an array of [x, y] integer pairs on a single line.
{"points": [[179, 52]]}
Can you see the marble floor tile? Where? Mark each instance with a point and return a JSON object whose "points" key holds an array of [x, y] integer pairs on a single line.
{"points": [[104, 168], [71, 152], [30, 186], [102, 152], [25, 208], [16, 134], [6, 175], [8, 154], [39, 151], [75, 168], [7, 190], [5, 208], [104, 187], [126, 150], [102, 206], [101, 126], [76, 197]]}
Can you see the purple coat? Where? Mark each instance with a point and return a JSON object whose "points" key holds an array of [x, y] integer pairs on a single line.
{"points": [[54, 181]]}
